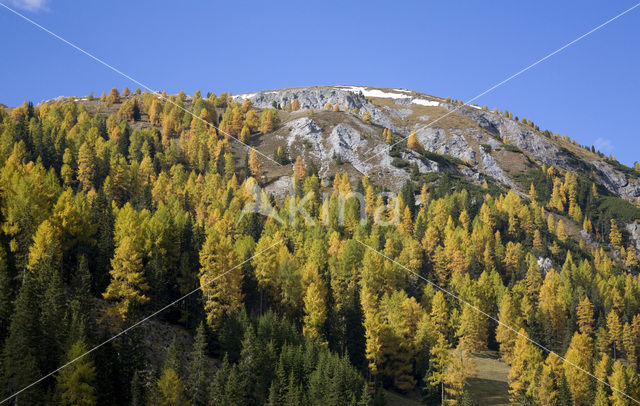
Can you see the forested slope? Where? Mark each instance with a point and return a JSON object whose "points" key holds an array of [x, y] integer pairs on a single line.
{"points": [[112, 208]]}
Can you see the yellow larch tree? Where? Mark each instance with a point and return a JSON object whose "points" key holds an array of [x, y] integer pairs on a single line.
{"points": [[615, 237], [221, 284], [584, 313], [579, 353], [299, 169], [255, 167], [315, 306], [128, 283], [414, 144], [524, 365]]}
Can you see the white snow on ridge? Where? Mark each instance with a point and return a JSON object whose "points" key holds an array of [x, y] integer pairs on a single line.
{"points": [[374, 92], [244, 95], [388, 95], [397, 94], [423, 102]]}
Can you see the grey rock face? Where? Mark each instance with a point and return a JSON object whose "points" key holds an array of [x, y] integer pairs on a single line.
{"points": [[350, 138], [316, 98], [545, 264], [491, 168], [545, 151], [615, 181], [346, 142], [634, 230], [436, 140], [307, 140]]}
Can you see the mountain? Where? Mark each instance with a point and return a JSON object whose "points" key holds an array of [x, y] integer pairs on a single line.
{"points": [[399, 228], [485, 145]]}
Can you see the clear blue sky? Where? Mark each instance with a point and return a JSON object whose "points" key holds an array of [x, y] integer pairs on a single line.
{"points": [[446, 48]]}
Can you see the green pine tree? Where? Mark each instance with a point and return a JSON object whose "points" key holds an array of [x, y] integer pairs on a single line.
{"points": [[6, 296], [22, 356], [197, 380]]}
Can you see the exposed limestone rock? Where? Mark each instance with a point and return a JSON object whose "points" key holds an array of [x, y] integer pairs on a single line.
{"points": [[355, 141], [634, 230], [316, 98], [545, 264]]}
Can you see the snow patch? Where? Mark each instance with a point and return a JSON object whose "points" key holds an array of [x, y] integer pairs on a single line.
{"points": [[375, 92], [243, 95], [428, 103]]}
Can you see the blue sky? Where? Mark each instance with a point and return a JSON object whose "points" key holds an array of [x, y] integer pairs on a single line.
{"points": [[446, 48]]}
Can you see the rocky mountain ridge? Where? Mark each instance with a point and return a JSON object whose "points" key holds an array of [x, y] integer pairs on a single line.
{"points": [[483, 144]]}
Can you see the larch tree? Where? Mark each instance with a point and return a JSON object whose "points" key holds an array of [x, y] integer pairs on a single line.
{"points": [[229, 166], [550, 379], [113, 96], [505, 336], [155, 112], [299, 169], [366, 116], [255, 167], [221, 283], [615, 237], [169, 389], [579, 353], [461, 366], [374, 330], [614, 330], [524, 364], [584, 313], [86, 166], [266, 265], [414, 144], [619, 379], [76, 383], [472, 331], [439, 360], [245, 133], [128, 283], [552, 305], [315, 306], [268, 121], [66, 171], [632, 257], [440, 314], [560, 231], [252, 120]]}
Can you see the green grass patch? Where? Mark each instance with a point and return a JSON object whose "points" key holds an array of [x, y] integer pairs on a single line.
{"points": [[443, 158]]}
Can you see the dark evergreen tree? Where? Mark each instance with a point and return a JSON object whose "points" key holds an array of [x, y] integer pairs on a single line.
{"points": [[52, 314], [173, 359], [22, 354], [103, 217], [6, 296], [219, 383], [137, 390], [197, 380]]}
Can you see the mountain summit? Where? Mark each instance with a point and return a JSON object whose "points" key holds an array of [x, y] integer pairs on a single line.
{"points": [[345, 124]]}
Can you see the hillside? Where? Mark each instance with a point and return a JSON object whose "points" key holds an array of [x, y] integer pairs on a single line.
{"points": [[319, 245], [491, 146]]}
